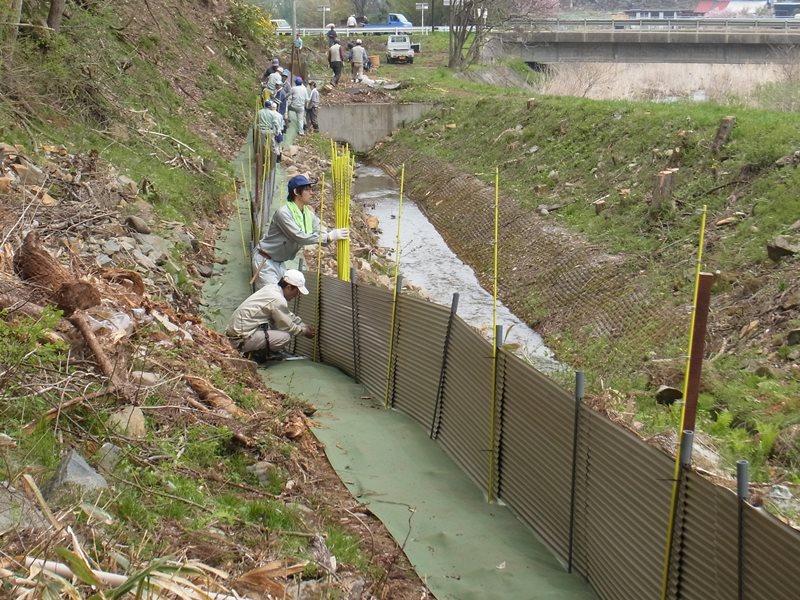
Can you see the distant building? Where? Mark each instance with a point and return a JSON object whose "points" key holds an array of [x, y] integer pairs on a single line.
{"points": [[730, 8], [660, 13]]}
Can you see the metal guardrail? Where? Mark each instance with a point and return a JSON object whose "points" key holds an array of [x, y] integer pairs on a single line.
{"points": [[358, 31], [765, 25]]}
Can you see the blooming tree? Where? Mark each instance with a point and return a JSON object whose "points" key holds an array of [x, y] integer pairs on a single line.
{"points": [[471, 21]]}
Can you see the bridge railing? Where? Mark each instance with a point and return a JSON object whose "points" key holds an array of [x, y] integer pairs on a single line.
{"points": [[679, 24]]}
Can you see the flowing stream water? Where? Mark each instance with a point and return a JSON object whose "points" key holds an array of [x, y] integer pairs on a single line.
{"points": [[427, 261]]}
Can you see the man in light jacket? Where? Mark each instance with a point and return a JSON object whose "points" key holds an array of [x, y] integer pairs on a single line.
{"points": [[359, 58], [298, 98], [312, 110], [262, 325], [293, 226]]}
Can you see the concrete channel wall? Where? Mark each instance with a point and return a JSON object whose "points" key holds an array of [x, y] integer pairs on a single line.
{"points": [[364, 125]]}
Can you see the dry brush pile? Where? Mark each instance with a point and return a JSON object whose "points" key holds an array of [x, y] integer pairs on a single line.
{"points": [[215, 485]]}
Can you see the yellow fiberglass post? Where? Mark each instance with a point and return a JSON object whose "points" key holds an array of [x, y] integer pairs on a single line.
{"points": [[676, 471], [315, 355], [396, 290], [495, 341], [342, 167], [238, 202]]}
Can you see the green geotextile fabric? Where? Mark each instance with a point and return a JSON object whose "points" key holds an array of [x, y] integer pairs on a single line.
{"points": [[461, 546], [229, 283]]}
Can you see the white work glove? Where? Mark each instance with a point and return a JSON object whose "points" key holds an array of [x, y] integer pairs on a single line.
{"points": [[339, 234]]}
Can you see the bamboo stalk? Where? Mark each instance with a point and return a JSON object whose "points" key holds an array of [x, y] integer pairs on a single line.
{"points": [[493, 404], [319, 273], [238, 203], [394, 294], [114, 579]]}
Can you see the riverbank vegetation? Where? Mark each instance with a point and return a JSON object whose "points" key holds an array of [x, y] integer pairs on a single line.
{"points": [[591, 168], [116, 134]]}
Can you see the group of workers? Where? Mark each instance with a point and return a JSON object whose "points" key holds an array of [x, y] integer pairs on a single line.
{"points": [[262, 326], [356, 54], [281, 101]]}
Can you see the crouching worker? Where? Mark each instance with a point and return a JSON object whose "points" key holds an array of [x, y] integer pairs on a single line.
{"points": [[263, 325]]}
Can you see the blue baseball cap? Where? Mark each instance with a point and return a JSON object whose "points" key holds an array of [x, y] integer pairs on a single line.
{"points": [[298, 80], [298, 181]]}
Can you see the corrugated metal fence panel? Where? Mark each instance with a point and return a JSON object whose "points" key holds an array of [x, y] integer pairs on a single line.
{"points": [[305, 307], [771, 557], [536, 451], [464, 426], [419, 349], [374, 318], [336, 324], [705, 544], [624, 506]]}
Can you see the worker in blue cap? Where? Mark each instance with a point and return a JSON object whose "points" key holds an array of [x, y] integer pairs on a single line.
{"points": [[293, 226]]}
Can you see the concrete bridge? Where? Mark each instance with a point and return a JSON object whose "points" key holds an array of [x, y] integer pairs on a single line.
{"points": [[731, 41]]}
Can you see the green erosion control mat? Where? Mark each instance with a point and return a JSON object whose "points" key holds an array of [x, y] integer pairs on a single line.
{"points": [[461, 546]]}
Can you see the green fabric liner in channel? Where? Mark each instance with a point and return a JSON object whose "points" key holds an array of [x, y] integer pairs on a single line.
{"points": [[461, 546], [440, 376]]}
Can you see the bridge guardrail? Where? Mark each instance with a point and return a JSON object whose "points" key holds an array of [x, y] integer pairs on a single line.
{"points": [[679, 24], [354, 32]]}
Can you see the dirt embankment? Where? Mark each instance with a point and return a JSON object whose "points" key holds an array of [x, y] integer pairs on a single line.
{"points": [[131, 367]]}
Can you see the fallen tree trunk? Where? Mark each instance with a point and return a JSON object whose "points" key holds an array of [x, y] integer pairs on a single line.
{"points": [[35, 265]]}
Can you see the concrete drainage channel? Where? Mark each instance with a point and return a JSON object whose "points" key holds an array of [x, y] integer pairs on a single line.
{"points": [[462, 546], [364, 125]]}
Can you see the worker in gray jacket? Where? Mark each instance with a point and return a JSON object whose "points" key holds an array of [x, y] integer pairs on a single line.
{"points": [[358, 60], [298, 98], [262, 325], [293, 226]]}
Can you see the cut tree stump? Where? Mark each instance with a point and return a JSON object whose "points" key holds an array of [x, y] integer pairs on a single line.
{"points": [[723, 133], [662, 203]]}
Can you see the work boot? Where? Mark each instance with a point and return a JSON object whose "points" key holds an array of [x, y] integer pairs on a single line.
{"points": [[280, 355], [258, 356]]}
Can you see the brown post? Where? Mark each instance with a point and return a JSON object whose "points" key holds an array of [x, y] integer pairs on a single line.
{"points": [[697, 349]]}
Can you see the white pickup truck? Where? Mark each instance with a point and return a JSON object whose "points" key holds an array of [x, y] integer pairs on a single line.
{"points": [[398, 49]]}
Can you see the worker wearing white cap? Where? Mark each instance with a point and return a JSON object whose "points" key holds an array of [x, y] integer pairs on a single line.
{"points": [[262, 325], [358, 59]]}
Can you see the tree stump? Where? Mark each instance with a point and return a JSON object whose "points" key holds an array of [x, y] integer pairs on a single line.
{"points": [[662, 203], [723, 133]]}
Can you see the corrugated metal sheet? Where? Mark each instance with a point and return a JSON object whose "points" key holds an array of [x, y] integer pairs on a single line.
{"points": [[305, 307], [704, 544], [624, 505], [419, 348], [336, 325], [771, 558], [464, 429], [536, 452], [623, 486], [374, 318]]}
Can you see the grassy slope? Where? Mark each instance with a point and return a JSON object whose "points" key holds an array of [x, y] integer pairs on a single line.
{"points": [[572, 151], [139, 88]]}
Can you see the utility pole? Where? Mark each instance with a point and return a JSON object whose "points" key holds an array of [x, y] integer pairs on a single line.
{"points": [[294, 20]]}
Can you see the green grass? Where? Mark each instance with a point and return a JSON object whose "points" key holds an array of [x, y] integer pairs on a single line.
{"points": [[572, 151]]}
